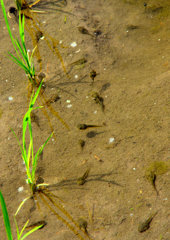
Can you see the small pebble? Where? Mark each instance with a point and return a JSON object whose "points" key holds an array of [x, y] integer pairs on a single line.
{"points": [[20, 189], [111, 140], [69, 105], [77, 51], [73, 44], [10, 98]]}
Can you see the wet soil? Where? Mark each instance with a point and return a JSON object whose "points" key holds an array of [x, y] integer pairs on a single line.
{"points": [[128, 46]]}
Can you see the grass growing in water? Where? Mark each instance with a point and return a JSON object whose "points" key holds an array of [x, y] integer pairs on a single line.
{"points": [[23, 59], [52, 202], [30, 159], [8, 226]]}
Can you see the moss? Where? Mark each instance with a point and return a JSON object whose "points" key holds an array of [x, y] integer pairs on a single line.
{"points": [[156, 168]]}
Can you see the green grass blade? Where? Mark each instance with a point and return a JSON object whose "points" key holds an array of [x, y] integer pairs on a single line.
{"points": [[23, 54], [20, 49], [17, 141], [31, 231], [25, 225], [17, 228], [6, 217], [24, 128], [8, 27], [31, 143], [35, 96], [34, 165], [21, 204], [18, 62], [7, 23]]}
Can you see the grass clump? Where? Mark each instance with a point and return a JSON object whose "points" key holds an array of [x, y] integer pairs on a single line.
{"points": [[8, 226], [30, 159], [23, 59]]}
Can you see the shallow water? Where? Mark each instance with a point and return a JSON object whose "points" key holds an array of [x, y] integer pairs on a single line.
{"points": [[131, 58]]}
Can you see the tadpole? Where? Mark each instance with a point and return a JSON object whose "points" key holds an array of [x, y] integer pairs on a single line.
{"points": [[83, 126], [93, 74], [84, 31], [99, 100]]}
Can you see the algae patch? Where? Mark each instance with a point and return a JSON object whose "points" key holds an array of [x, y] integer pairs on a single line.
{"points": [[155, 169]]}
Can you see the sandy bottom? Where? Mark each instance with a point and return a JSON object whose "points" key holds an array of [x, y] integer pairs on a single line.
{"points": [[128, 46]]}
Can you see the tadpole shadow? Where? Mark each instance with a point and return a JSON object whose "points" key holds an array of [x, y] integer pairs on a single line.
{"points": [[72, 183], [48, 5]]}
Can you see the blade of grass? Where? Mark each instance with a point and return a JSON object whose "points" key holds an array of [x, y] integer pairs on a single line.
{"points": [[35, 160], [6, 217], [19, 234], [31, 231], [7, 24], [23, 61]]}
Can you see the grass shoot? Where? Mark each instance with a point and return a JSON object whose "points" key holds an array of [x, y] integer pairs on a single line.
{"points": [[23, 59], [30, 159], [8, 226]]}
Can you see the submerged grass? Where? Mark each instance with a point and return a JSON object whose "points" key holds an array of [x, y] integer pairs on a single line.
{"points": [[23, 59], [8, 225], [52, 202], [30, 159]]}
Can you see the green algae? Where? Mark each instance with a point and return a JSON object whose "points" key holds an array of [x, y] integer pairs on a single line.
{"points": [[158, 168], [155, 169]]}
